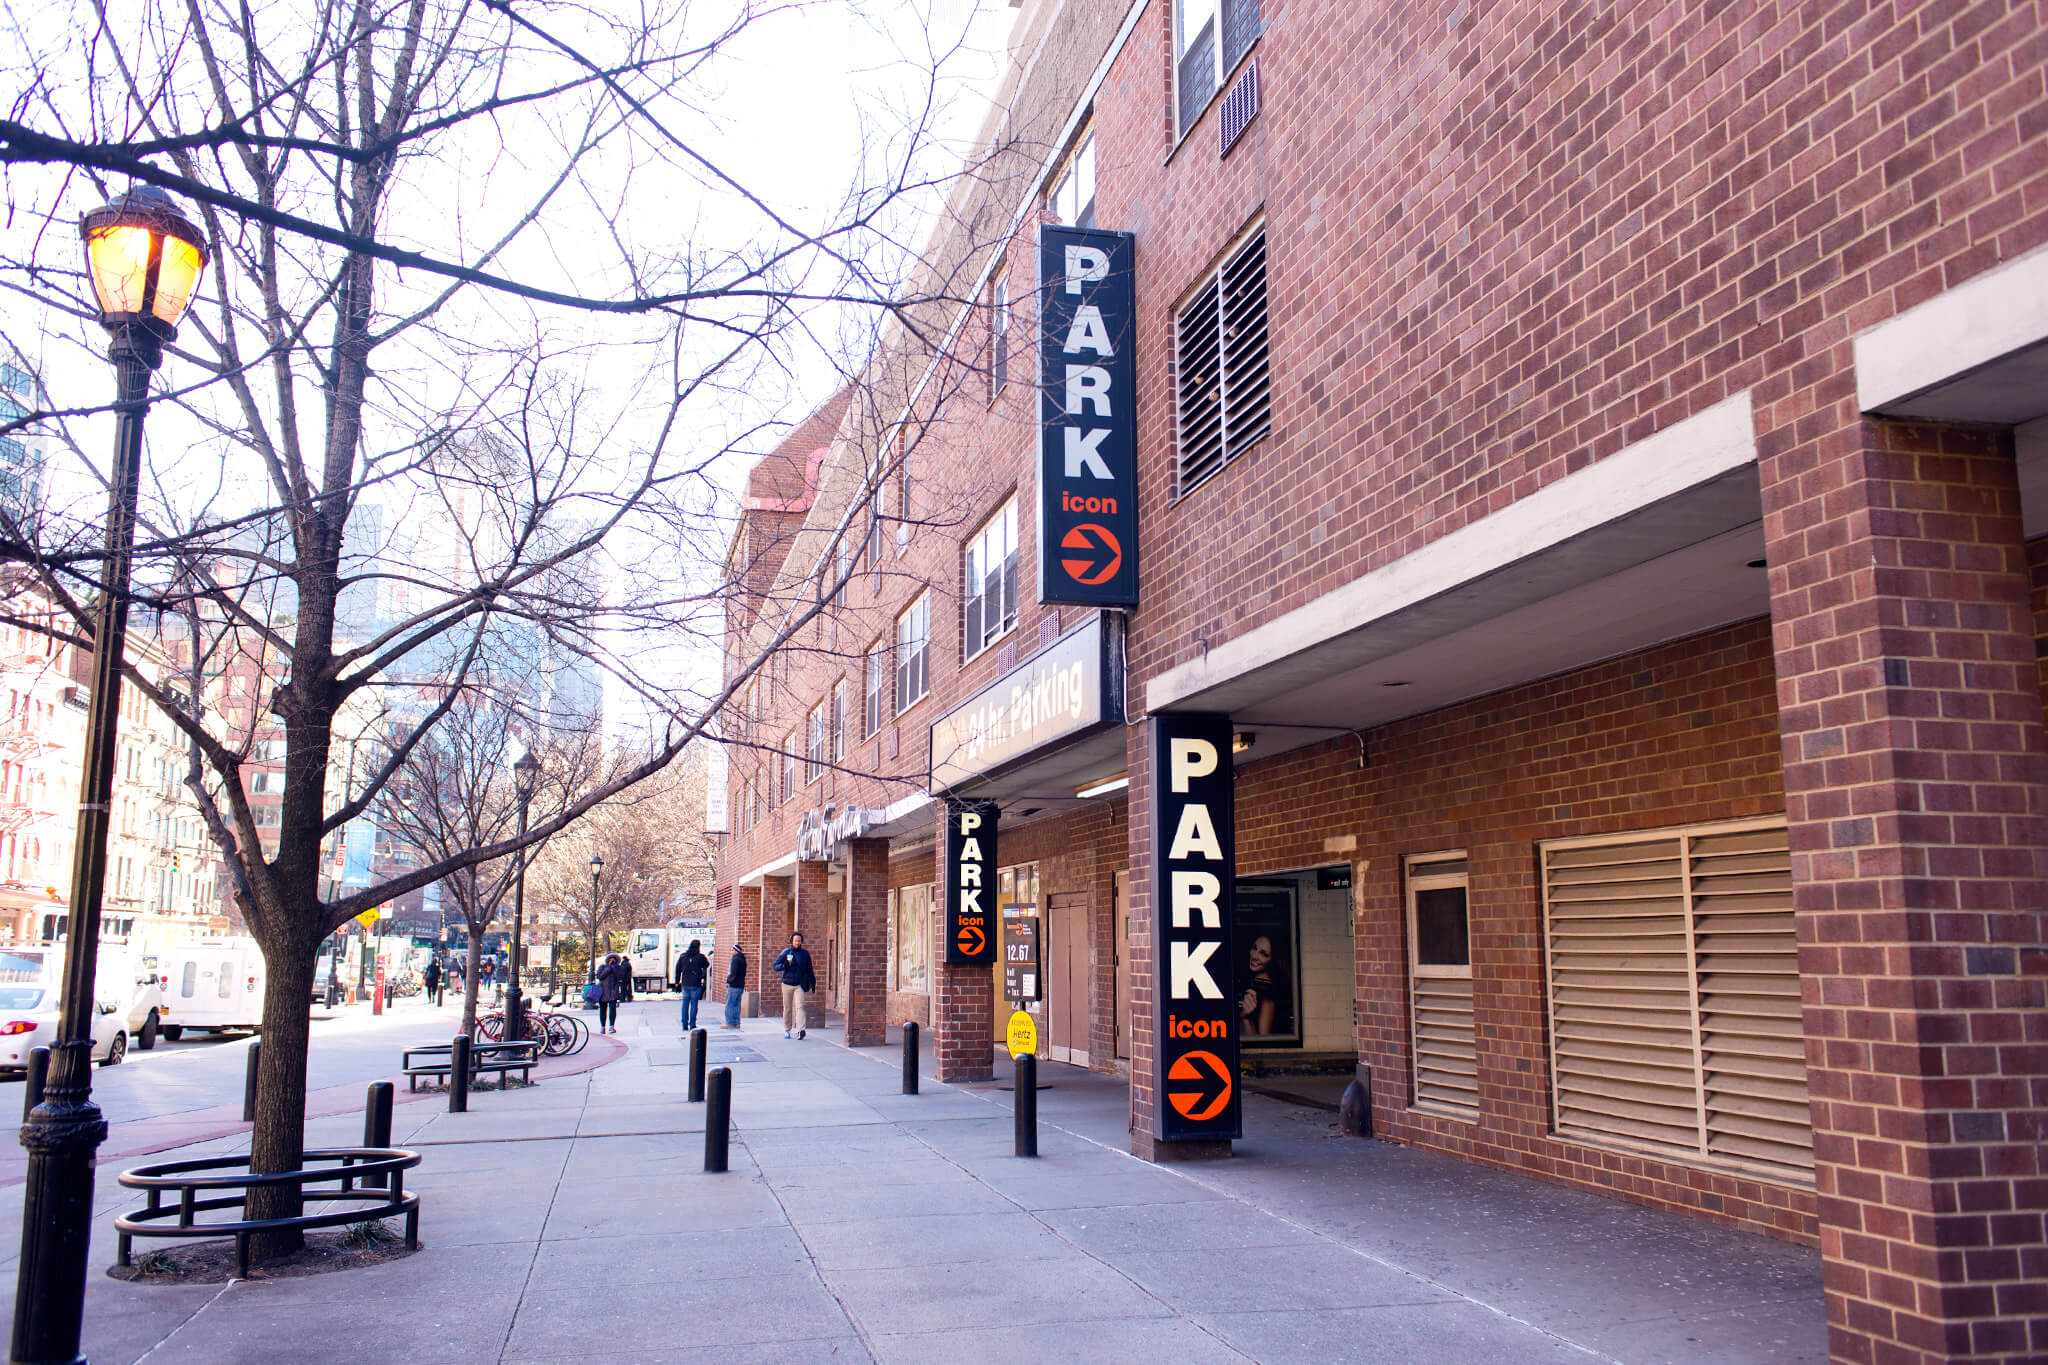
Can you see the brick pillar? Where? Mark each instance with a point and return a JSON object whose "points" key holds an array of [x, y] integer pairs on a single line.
{"points": [[963, 998], [813, 919], [776, 913], [1916, 785], [1144, 1063], [867, 942], [747, 934]]}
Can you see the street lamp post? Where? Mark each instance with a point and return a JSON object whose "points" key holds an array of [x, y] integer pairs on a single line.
{"points": [[524, 772], [145, 259], [590, 963]]}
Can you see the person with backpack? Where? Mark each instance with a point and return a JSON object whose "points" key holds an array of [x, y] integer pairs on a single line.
{"points": [[735, 986], [798, 981], [693, 970], [608, 995]]}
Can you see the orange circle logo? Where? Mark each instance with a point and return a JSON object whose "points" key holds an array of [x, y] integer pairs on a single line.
{"points": [[1096, 554], [1205, 1085]]}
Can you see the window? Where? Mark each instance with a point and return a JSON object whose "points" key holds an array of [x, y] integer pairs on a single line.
{"points": [[877, 687], [1440, 986], [1073, 194], [989, 593], [839, 721], [1675, 1019], [913, 639], [1202, 56], [1223, 396], [910, 913], [876, 510], [998, 330], [814, 745], [789, 765]]}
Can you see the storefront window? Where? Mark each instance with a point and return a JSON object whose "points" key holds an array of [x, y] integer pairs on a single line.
{"points": [[910, 910]]}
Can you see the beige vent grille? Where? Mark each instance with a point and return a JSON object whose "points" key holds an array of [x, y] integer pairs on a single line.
{"points": [[1674, 995], [1446, 1064]]}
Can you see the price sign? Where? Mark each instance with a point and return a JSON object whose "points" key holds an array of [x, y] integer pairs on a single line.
{"points": [[1022, 978]]}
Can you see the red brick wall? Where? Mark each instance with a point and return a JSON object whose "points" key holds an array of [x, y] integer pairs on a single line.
{"points": [[776, 912], [1676, 735]]}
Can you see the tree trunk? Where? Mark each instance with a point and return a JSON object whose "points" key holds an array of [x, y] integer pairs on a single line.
{"points": [[473, 981], [279, 1140]]}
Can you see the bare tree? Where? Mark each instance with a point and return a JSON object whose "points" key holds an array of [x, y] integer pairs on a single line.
{"points": [[382, 185]]}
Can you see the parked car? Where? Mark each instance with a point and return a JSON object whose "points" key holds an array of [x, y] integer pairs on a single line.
{"points": [[28, 1020], [121, 975]]}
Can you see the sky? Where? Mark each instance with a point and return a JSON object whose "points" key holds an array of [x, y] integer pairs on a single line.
{"points": [[807, 102]]}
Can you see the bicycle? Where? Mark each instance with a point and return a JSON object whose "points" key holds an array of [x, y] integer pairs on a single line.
{"points": [[560, 1035]]}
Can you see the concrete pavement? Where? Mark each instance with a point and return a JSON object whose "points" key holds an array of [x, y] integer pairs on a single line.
{"points": [[572, 1221]]}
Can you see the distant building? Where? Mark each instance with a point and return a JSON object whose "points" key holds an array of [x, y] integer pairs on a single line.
{"points": [[22, 454]]}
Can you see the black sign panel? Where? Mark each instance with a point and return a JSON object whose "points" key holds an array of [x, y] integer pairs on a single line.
{"points": [[1087, 442], [1194, 857], [1022, 979], [1333, 878], [971, 884]]}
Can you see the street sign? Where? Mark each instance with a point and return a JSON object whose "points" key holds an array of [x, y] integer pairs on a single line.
{"points": [[1023, 1035], [1022, 979], [368, 919]]}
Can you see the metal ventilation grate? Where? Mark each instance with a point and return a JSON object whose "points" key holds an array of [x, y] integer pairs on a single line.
{"points": [[1240, 107]]}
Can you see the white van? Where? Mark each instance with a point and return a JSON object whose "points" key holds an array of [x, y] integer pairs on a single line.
{"points": [[122, 977], [653, 952], [212, 985]]}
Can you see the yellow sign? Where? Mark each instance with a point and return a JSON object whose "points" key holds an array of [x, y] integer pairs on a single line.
{"points": [[1023, 1034], [368, 919]]}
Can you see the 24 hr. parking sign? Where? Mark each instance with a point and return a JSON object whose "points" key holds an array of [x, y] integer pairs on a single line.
{"points": [[1087, 443]]}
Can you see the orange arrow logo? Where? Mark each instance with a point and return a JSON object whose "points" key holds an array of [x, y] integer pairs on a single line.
{"points": [[971, 939], [1097, 554], [1208, 1088]]}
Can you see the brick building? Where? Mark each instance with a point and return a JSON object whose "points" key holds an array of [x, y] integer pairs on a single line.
{"points": [[1588, 464]]}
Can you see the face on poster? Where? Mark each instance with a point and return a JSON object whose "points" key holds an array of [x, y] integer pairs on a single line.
{"points": [[1269, 978]]}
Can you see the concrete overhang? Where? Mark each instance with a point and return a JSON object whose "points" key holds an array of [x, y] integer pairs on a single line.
{"points": [[1974, 353], [1660, 540]]}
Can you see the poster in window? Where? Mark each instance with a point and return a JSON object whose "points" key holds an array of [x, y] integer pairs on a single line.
{"points": [[1269, 976]]}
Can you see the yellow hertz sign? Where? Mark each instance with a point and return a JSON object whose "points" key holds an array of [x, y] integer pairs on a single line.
{"points": [[368, 919], [1023, 1035]]}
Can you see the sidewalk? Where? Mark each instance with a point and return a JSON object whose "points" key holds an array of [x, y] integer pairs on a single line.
{"points": [[572, 1221]]}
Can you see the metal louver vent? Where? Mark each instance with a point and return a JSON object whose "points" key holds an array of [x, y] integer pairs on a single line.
{"points": [[1674, 996], [1240, 107], [1222, 369]]}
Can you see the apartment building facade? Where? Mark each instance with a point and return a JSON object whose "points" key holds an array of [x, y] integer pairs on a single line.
{"points": [[1585, 490]]}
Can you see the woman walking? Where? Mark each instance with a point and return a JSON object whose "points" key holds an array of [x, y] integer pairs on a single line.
{"points": [[608, 995]]}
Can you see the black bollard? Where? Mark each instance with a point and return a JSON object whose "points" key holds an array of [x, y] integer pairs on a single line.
{"points": [[249, 1082], [717, 1119], [458, 1075], [377, 1127], [1027, 1105], [699, 1040], [38, 1076], [910, 1057]]}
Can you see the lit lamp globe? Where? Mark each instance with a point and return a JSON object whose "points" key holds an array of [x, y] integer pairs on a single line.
{"points": [[145, 258]]}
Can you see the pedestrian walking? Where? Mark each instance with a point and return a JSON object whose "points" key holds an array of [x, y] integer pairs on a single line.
{"points": [[735, 986], [608, 995], [431, 979], [693, 970], [798, 981]]}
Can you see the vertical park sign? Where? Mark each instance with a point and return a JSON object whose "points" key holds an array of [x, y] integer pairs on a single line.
{"points": [[1087, 442], [1194, 860], [971, 883]]}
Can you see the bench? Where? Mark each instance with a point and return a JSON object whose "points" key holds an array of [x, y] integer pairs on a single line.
{"points": [[382, 1195], [437, 1059]]}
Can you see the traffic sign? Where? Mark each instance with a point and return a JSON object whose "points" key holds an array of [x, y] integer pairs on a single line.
{"points": [[1199, 1085], [368, 919], [1023, 1035], [1093, 553]]}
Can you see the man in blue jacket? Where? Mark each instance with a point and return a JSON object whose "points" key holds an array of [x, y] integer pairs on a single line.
{"points": [[798, 981]]}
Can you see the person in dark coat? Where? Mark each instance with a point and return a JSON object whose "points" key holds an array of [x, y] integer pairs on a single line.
{"points": [[608, 995], [693, 970], [735, 986], [431, 979], [798, 981]]}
